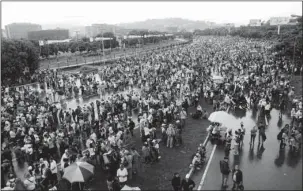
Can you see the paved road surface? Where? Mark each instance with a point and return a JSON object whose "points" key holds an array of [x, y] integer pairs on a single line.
{"points": [[263, 169]]}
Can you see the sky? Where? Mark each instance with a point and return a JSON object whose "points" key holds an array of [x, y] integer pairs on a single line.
{"points": [[87, 13]]}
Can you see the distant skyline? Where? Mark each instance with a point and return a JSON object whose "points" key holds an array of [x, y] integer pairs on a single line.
{"points": [[87, 13]]}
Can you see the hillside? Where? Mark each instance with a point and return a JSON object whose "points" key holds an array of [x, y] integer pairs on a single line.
{"points": [[168, 24]]}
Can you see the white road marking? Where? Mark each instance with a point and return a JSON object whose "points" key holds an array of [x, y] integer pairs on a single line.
{"points": [[207, 167], [204, 143]]}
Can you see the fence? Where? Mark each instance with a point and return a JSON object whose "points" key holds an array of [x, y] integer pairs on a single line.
{"points": [[80, 60]]}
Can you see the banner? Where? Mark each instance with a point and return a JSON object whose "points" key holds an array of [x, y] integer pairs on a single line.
{"points": [[279, 20]]}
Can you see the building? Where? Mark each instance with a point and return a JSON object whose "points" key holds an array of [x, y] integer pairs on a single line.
{"points": [[229, 25], [88, 31], [20, 30], [3, 33], [255, 22], [95, 29], [279, 21], [55, 34]]}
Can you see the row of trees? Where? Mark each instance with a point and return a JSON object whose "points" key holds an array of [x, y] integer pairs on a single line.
{"points": [[83, 45]]}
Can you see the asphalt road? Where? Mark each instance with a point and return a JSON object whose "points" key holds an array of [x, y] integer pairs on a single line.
{"points": [[263, 169]]}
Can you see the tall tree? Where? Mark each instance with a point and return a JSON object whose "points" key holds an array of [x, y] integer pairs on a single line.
{"points": [[16, 56]]}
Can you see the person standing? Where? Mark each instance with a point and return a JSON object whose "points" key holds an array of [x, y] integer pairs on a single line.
{"points": [[225, 170], [237, 178], [176, 182], [136, 160], [129, 167], [54, 170], [122, 175], [187, 184], [131, 126], [183, 116], [170, 136]]}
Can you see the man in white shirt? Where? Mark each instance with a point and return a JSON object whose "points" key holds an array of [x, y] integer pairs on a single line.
{"points": [[122, 175]]}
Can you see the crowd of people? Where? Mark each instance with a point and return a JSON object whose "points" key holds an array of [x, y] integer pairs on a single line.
{"points": [[160, 88]]}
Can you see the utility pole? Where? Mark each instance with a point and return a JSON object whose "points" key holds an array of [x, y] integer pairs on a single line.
{"points": [[77, 39], [103, 47], [293, 58]]}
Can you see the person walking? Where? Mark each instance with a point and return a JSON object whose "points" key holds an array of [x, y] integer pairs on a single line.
{"points": [[237, 178], [176, 182], [225, 170], [187, 184], [170, 135], [261, 134], [253, 133]]}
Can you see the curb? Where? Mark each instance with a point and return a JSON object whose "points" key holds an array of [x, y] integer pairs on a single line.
{"points": [[204, 144]]}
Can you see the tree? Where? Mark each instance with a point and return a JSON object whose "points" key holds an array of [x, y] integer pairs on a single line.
{"points": [[85, 39], [16, 56], [53, 49]]}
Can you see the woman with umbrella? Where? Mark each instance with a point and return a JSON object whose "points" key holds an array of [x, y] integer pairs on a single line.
{"points": [[78, 172]]}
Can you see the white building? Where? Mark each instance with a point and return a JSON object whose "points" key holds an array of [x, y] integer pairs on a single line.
{"points": [[255, 22]]}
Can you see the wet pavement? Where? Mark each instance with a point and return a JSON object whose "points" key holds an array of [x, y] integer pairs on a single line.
{"points": [[263, 169]]}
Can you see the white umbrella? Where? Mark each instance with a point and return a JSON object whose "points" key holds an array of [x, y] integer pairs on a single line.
{"points": [[227, 120], [126, 188], [218, 116], [218, 78]]}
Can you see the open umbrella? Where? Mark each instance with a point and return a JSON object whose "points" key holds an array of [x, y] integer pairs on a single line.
{"points": [[78, 172], [218, 79], [219, 116]]}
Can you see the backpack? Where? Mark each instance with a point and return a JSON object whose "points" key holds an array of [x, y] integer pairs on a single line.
{"points": [[224, 167], [279, 136]]}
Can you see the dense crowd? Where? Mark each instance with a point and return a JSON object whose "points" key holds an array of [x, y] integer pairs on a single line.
{"points": [[160, 88]]}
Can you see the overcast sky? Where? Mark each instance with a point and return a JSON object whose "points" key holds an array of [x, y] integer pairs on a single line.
{"points": [[86, 13]]}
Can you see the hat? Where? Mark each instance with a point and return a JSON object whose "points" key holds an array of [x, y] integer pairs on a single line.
{"points": [[187, 176]]}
